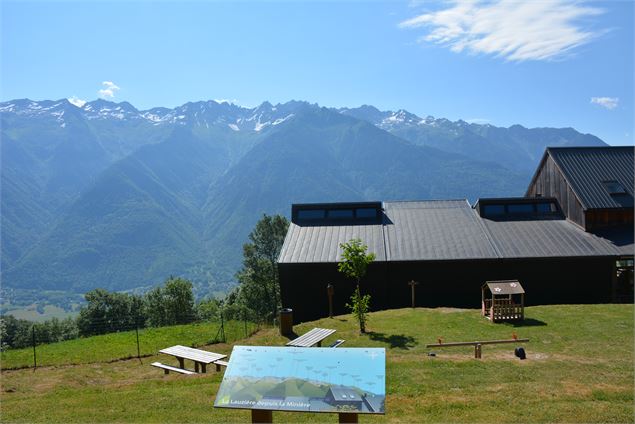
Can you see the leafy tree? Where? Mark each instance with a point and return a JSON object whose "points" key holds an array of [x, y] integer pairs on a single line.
{"points": [[353, 264], [259, 286], [14, 333], [56, 330], [207, 309], [170, 304], [18, 333], [109, 312]]}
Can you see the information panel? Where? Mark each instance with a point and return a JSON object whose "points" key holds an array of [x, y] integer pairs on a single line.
{"points": [[305, 379]]}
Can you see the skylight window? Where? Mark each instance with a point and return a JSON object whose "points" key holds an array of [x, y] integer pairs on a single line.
{"points": [[311, 214], [523, 208], [493, 209], [614, 187], [340, 213], [546, 207], [367, 213], [515, 208]]}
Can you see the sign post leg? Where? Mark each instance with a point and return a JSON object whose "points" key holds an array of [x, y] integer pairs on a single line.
{"points": [[261, 416], [348, 418]]}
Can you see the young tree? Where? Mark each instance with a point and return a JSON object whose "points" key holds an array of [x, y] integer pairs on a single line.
{"points": [[259, 286], [353, 264]]}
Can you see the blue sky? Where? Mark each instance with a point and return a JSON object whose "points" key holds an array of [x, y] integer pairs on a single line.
{"points": [[541, 63]]}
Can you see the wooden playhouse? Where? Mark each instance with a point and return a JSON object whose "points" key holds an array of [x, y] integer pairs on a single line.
{"points": [[503, 300]]}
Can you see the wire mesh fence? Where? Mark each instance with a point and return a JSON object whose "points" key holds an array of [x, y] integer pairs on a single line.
{"points": [[123, 340]]}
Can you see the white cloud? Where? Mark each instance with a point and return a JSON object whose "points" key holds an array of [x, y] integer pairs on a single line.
{"points": [[109, 90], [510, 29], [74, 100], [609, 103]]}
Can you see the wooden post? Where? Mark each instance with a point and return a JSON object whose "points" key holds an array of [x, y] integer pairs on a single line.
{"points": [[195, 366], [348, 418], [477, 351], [181, 362], [412, 285], [614, 282], [261, 416], [522, 306], [330, 290]]}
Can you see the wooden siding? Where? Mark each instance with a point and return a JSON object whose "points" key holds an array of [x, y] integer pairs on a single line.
{"points": [[550, 182], [600, 218]]}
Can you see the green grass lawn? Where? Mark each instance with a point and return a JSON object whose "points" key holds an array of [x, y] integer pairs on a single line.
{"points": [[579, 368], [115, 346]]}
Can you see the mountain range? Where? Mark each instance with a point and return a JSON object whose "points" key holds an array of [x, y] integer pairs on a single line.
{"points": [[101, 194]]}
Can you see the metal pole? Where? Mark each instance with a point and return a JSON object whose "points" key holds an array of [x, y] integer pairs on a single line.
{"points": [[136, 329], [245, 322], [34, 356], [222, 326]]}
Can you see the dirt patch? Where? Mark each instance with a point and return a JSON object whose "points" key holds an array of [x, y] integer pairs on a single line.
{"points": [[449, 310]]}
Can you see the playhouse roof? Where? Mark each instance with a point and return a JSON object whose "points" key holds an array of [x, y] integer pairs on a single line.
{"points": [[504, 287]]}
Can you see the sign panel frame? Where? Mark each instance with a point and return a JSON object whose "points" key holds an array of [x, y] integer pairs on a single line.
{"points": [[323, 380]]}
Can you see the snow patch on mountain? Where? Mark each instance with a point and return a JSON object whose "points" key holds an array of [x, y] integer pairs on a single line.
{"points": [[281, 120]]}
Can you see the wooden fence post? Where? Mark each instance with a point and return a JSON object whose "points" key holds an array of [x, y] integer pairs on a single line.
{"points": [[412, 285], [330, 290]]}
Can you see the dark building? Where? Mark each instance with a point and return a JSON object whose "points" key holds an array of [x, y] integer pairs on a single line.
{"points": [[594, 185], [451, 249]]}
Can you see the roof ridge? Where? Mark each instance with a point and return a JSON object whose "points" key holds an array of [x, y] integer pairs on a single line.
{"points": [[486, 233], [589, 147]]}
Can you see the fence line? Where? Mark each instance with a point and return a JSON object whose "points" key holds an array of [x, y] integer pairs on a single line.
{"points": [[141, 336]]}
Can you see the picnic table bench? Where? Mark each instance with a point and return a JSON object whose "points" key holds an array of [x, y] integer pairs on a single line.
{"points": [[311, 338], [200, 357], [168, 368]]}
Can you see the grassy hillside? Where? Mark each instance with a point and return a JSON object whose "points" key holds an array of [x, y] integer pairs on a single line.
{"points": [[123, 345], [579, 368]]}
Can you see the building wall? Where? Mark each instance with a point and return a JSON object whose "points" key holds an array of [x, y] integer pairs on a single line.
{"points": [[446, 283], [550, 182], [303, 288], [597, 219]]}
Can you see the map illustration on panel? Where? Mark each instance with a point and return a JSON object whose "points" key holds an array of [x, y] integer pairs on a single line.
{"points": [[305, 379]]}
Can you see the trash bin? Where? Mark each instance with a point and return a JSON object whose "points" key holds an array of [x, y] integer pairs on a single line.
{"points": [[286, 321]]}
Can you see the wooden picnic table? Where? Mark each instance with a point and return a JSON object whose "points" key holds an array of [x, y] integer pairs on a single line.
{"points": [[310, 338], [199, 356]]}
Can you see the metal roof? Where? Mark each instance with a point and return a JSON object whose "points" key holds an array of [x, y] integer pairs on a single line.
{"points": [[586, 168], [445, 230], [529, 238], [434, 230], [505, 287], [621, 237], [321, 243]]}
